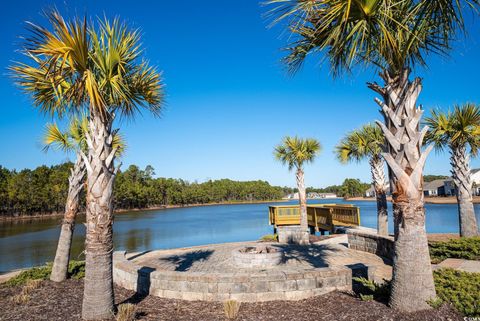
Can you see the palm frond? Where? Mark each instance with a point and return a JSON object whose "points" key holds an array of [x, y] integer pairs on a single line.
{"points": [[295, 152], [456, 128], [365, 142], [54, 137], [391, 35]]}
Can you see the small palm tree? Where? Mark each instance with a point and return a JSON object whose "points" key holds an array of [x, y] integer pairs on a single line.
{"points": [[71, 140], [96, 68], [367, 143], [459, 131], [295, 153]]}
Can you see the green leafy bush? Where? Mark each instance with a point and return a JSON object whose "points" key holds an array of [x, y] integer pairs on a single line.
{"points": [[269, 238], [76, 270], [461, 289], [369, 290], [463, 248]]}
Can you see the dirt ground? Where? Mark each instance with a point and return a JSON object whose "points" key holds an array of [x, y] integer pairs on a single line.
{"points": [[62, 302]]}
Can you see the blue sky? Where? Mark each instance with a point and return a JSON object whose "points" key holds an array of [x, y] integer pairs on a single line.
{"points": [[229, 100]]}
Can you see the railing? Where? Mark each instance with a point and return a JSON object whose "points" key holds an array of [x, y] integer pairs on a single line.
{"points": [[322, 217]]}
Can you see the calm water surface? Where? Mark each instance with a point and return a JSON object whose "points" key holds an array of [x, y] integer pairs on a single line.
{"points": [[32, 242]]}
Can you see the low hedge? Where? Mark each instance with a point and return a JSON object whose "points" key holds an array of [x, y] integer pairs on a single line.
{"points": [[461, 289], [462, 248]]}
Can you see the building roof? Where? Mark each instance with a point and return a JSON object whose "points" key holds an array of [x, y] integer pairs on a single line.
{"points": [[434, 185], [474, 171]]}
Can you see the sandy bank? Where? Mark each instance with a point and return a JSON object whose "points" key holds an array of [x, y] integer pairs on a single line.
{"points": [[429, 200]]}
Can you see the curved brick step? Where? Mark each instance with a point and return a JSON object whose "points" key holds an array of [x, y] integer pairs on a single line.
{"points": [[261, 285]]}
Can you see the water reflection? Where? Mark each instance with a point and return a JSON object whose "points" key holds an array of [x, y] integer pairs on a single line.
{"points": [[32, 242]]}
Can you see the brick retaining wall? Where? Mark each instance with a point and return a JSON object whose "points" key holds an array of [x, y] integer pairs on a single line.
{"points": [[263, 285], [372, 243]]}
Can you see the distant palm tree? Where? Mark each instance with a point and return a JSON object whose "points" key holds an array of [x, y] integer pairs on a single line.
{"points": [[97, 68], [71, 140], [459, 131], [392, 37], [295, 152], [367, 143]]}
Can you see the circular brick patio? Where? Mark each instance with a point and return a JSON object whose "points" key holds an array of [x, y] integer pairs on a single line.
{"points": [[209, 272]]}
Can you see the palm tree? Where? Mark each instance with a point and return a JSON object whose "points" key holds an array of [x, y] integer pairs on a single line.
{"points": [[68, 141], [459, 130], [393, 37], [367, 143], [71, 140], [97, 68], [295, 152]]}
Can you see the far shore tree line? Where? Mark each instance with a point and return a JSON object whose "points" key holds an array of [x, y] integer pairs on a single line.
{"points": [[43, 190]]}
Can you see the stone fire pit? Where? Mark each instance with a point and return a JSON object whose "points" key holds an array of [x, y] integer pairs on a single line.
{"points": [[257, 256]]}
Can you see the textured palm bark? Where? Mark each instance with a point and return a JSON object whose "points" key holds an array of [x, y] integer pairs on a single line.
{"points": [[98, 299], [460, 161], [62, 256], [302, 197], [378, 177], [412, 281]]}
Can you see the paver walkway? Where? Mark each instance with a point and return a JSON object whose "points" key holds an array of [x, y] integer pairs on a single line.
{"points": [[460, 264]]}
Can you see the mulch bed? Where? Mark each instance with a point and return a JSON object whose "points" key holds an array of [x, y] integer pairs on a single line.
{"points": [[54, 301]]}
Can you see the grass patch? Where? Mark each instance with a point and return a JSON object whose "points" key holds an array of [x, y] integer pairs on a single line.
{"points": [[269, 238], [76, 270], [20, 298], [461, 289], [462, 248], [126, 312], [231, 308]]}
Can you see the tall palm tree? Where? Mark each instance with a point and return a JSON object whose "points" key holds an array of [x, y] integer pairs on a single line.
{"points": [[295, 153], [367, 143], [97, 68], [459, 131], [71, 140], [393, 37]]}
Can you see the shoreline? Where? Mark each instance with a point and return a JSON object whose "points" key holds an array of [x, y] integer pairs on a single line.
{"points": [[428, 200], [123, 211]]}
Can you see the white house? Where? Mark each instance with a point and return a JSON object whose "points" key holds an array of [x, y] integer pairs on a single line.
{"points": [[450, 189], [371, 191], [434, 188]]}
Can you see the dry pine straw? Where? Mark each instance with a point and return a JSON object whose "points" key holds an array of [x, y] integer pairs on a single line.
{"points": [[62, 301]]}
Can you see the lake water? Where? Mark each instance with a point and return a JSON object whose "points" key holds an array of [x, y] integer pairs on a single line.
{"points": [[27, 243]]}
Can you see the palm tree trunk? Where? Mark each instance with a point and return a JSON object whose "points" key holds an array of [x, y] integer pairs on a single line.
{"points": [[302, 197], [98, 300], [378, 177], [62, 256], [460, 161], [412, 282]]}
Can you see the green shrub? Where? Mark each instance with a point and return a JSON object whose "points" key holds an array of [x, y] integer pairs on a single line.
{"points": [[269, 238], [369, 290], [463, 248], [461, 289], [76, 270]]}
